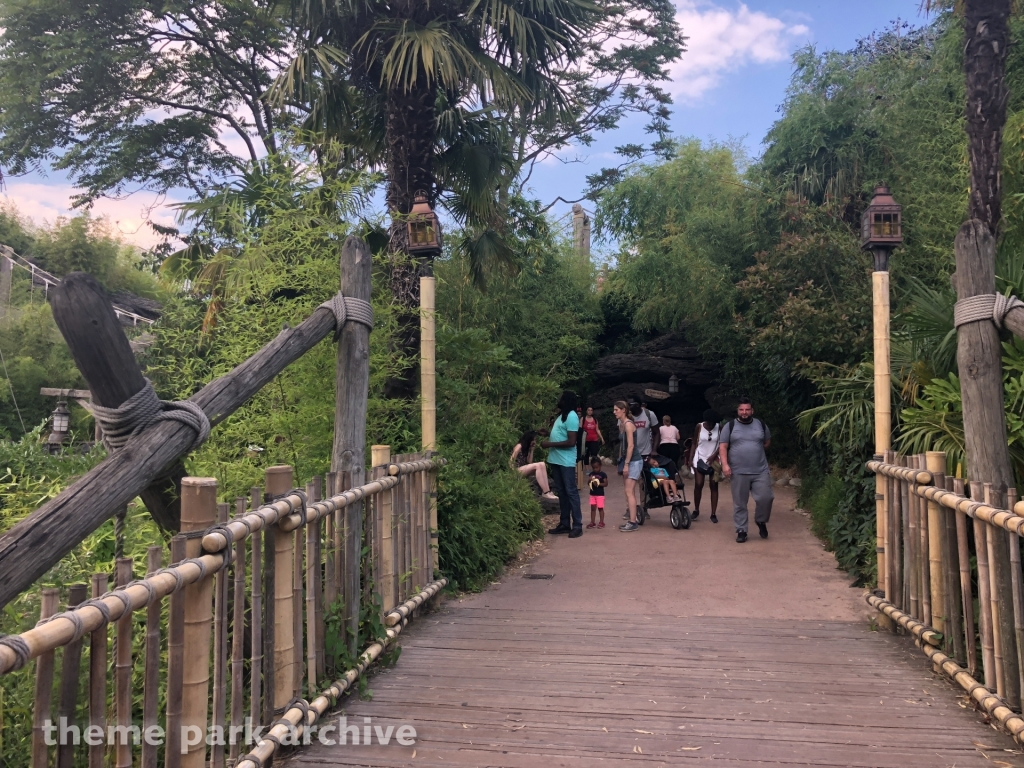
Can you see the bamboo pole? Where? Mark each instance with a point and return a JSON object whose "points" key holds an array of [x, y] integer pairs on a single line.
{"points": [[1013, 540], [69, 681], [238, 638], [256, 623], [380, 455], [175, 662], [936, 463], [337, 544], [913, 547], [151, 673], [883, 415], [220, 653], [98, 678], [924, 563], [904, 493], [298, 540], [123, 671], [44, 686], [967, 595], [895, 546], [312, 570], [993, 591], [279, 481], [428, 392], [988, 658], [954, 600], [198, 512], [269, 633], [318, 580]]}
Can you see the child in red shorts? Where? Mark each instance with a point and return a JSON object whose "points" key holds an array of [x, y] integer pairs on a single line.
{"points": [[598, 481]]}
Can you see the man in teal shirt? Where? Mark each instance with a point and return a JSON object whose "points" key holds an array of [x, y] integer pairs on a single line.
{"points": [[562, 458]]}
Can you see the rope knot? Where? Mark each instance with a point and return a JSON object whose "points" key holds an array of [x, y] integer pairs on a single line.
{"points": [[346, 308], [142, 410], [987, 306]]}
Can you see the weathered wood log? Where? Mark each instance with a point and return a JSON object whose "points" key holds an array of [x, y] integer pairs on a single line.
{"points": [[101, 351], [979, 357], [39, 541], [351, 391]]}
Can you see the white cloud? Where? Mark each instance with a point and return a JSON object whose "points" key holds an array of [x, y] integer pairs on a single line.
{"points": [[127, 218], [722, 41]]}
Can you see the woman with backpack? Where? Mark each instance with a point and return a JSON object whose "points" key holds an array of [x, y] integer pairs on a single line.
{"points": [[703, 456]]}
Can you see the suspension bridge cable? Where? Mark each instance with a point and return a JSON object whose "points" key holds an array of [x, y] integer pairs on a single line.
{"points": [[11, 385]]}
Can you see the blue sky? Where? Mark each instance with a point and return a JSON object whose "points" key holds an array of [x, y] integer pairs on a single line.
{"points": [[729, 84]]}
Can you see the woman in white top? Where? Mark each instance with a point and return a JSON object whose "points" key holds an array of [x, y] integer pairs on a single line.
{"points": [[704, 448], [669, 445]]}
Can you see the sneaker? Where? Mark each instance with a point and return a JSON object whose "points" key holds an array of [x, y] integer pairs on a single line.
{"points": [[559, 529], [714, 518], [575, 533], [695, 514], [741, 536], [601, 524], [591, 525], [549, 496], [629, 527], [763, 530]]}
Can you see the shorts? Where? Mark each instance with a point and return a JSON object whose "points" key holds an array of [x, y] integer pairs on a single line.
{"points": [[636, 469], [597, 501]]}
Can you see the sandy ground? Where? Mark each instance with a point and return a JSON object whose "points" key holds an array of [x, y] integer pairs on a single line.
{"points": [[701, 571]]}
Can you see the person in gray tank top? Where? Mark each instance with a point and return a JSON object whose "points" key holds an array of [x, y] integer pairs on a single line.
{"points": [[741, 448]]}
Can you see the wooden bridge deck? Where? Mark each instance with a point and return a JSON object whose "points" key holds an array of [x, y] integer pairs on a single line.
{"points": [[686, 649]]}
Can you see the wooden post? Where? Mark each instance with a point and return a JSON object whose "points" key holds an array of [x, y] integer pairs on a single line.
{"points": [[332, 561], [351, 391], [98, 678], [175, 662], [69, 682], [123, 671], [883, 415], [935, 462], [151, 673], [238, 638], [256, 654], [908, 540], [220, 652], [198, 512], [967, 596], [312, 594], [380, 456], [955, 617], [979, 358], [428, 395], [44, 687], [318, 576], [913, 547], [1013, 540], [298, 539], [923, 553], [279, 481]]}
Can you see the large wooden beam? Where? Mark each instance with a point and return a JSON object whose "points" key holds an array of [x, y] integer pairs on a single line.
{"points": [[39, 541], [352, 383]]}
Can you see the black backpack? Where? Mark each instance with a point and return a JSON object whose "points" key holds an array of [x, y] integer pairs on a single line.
{"points": [[732, 421]]}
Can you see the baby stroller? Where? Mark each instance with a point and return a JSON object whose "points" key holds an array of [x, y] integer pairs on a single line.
{"points": [[653, 496]]}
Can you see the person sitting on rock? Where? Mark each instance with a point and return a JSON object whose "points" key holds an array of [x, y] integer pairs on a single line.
{"points": [[522, 459]]}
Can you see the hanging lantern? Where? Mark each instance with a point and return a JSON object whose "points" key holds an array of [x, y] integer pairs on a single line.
{"points": [[673, 384], [423, 228], [60, 424], [881, 225]]}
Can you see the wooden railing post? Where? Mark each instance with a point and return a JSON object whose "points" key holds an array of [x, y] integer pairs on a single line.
{"points": [[44, 687], [238, 638], [198, 512], [98, 678], [175, 662], [935, 462], [151, 674], [352, 381], [428, 397], [380, 456], [279, 480], [69, 682], [220, 652], [123, 672]]}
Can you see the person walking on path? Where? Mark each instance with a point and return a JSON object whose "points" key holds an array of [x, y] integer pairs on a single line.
{"points": [[522, 460], [741, 448], [594, 438], [561, 447], [644, 434], [668, 446], [650, 420], [631, 464], [704, 451], [598, 481]]}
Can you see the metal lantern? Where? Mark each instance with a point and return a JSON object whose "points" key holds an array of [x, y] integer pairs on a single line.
{"points": [[423, 228], [60, 424], [881, 225], [673, 384]]}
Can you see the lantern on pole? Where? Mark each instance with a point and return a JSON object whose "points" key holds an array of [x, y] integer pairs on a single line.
{"points": [[673, 384], [423, 228], [881, 232], [60, 425]]}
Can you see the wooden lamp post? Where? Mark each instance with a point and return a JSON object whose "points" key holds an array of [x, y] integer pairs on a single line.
{"points": [[881, 232], [424, 232]]}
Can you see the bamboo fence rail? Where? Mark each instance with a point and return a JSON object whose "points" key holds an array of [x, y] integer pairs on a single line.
{"points": [[213, 589], [943, 576]]}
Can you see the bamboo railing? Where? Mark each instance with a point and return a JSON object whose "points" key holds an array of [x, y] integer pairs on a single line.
{"points": [[263, 586], [941, 574]]}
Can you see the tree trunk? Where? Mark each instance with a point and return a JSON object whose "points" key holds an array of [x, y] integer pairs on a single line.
{"points": [[411, 137], [978, 349], [987, 37]]}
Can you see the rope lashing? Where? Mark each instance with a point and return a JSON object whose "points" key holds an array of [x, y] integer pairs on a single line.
{"points": [[20, 648], [143, 409], [987, 306], [347, 308]]}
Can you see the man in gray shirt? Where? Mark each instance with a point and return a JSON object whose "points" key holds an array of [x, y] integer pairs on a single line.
{"points": [[741, 449]]}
